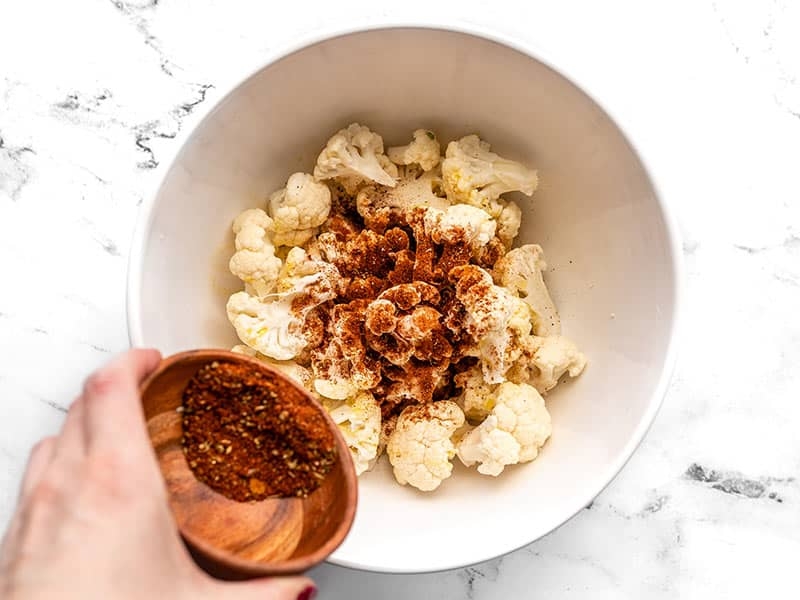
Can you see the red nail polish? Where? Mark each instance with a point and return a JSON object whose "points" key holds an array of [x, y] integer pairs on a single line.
{"points": [[308, 593]]}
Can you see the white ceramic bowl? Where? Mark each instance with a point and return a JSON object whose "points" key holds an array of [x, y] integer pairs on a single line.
{"points": [[610, 244]]}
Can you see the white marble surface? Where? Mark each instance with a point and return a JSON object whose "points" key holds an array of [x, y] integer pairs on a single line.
{"points": [[93, 92]]}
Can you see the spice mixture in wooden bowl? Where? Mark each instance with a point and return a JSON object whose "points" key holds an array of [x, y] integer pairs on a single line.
{"points": [[242, 438]]}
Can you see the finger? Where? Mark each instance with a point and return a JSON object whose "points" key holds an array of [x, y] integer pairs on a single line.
{"points": [[10, 542], [71, 443], [38, 461], [113, 407], [277, 588]]}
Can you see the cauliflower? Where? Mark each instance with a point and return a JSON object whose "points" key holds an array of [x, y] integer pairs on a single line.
{"points": [[414, 189], [477, 396], [474, 175], [388, 426], [555, 356], [520, 271], [388, 166], [515, 430], [300, 270], [289, 368], [342, 365], [424, 150], [500, 337], [460, 222], [298, 209], [335, 388], [248, 351], [255, 262], [359, 420], [375, 313], [267, 325], [508, 222], [273, 325], [355, 155], [420, 448], [490, 446], [496, 319]]}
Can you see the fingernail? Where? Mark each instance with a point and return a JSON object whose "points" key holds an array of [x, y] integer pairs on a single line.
{"points": [[308, 593]]}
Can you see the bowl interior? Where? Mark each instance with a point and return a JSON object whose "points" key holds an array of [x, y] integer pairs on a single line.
{"points": [[608, 245], [240, 539]]}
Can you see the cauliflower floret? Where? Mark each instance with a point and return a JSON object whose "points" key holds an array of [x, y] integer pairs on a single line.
{"points": [[477, 397], [420, 448], [497, 321], [459, 223], [520, 271], [273, 325], [508, 223], [300, 270], [388, 426], [414, 189], [254, 261], [515, 430], [267, 325], [555, 356], [359, 420], [424, 150], [388, 166], [298, 209], [289, 368], [353, 155], [342, 364], [474, 175], [335, 388], [491, 447]]}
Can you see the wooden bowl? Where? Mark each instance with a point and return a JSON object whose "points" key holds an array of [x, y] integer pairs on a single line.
{"points": [[238, 540]]}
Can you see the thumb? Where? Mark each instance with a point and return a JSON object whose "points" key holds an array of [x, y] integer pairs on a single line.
{"points": [[273, 588]]}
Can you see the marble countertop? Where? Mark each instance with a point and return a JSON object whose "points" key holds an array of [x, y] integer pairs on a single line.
{"points": [[93, 93]]}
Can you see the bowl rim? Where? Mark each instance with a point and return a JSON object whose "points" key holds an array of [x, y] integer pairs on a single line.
{"points": [[532, 50]]}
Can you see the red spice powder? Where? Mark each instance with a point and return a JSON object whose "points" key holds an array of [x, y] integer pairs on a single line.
{"points": [[246, 437]]}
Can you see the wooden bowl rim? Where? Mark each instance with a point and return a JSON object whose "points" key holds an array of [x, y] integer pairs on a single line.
{"points": [[282, 567]]}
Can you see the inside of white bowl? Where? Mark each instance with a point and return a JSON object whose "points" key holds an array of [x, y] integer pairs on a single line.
{"points": [[604, 232]]}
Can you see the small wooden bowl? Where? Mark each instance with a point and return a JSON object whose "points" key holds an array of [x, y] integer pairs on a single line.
{"points": [[236, 540]]}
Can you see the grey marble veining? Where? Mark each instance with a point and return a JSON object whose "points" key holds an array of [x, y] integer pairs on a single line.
{"points": [[94, 93]]}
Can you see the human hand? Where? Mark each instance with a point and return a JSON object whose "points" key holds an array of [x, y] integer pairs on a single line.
{"points": [[93, 520]]}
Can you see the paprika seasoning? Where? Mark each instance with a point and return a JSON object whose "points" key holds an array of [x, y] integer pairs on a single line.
{"points": [[246, 438]]}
